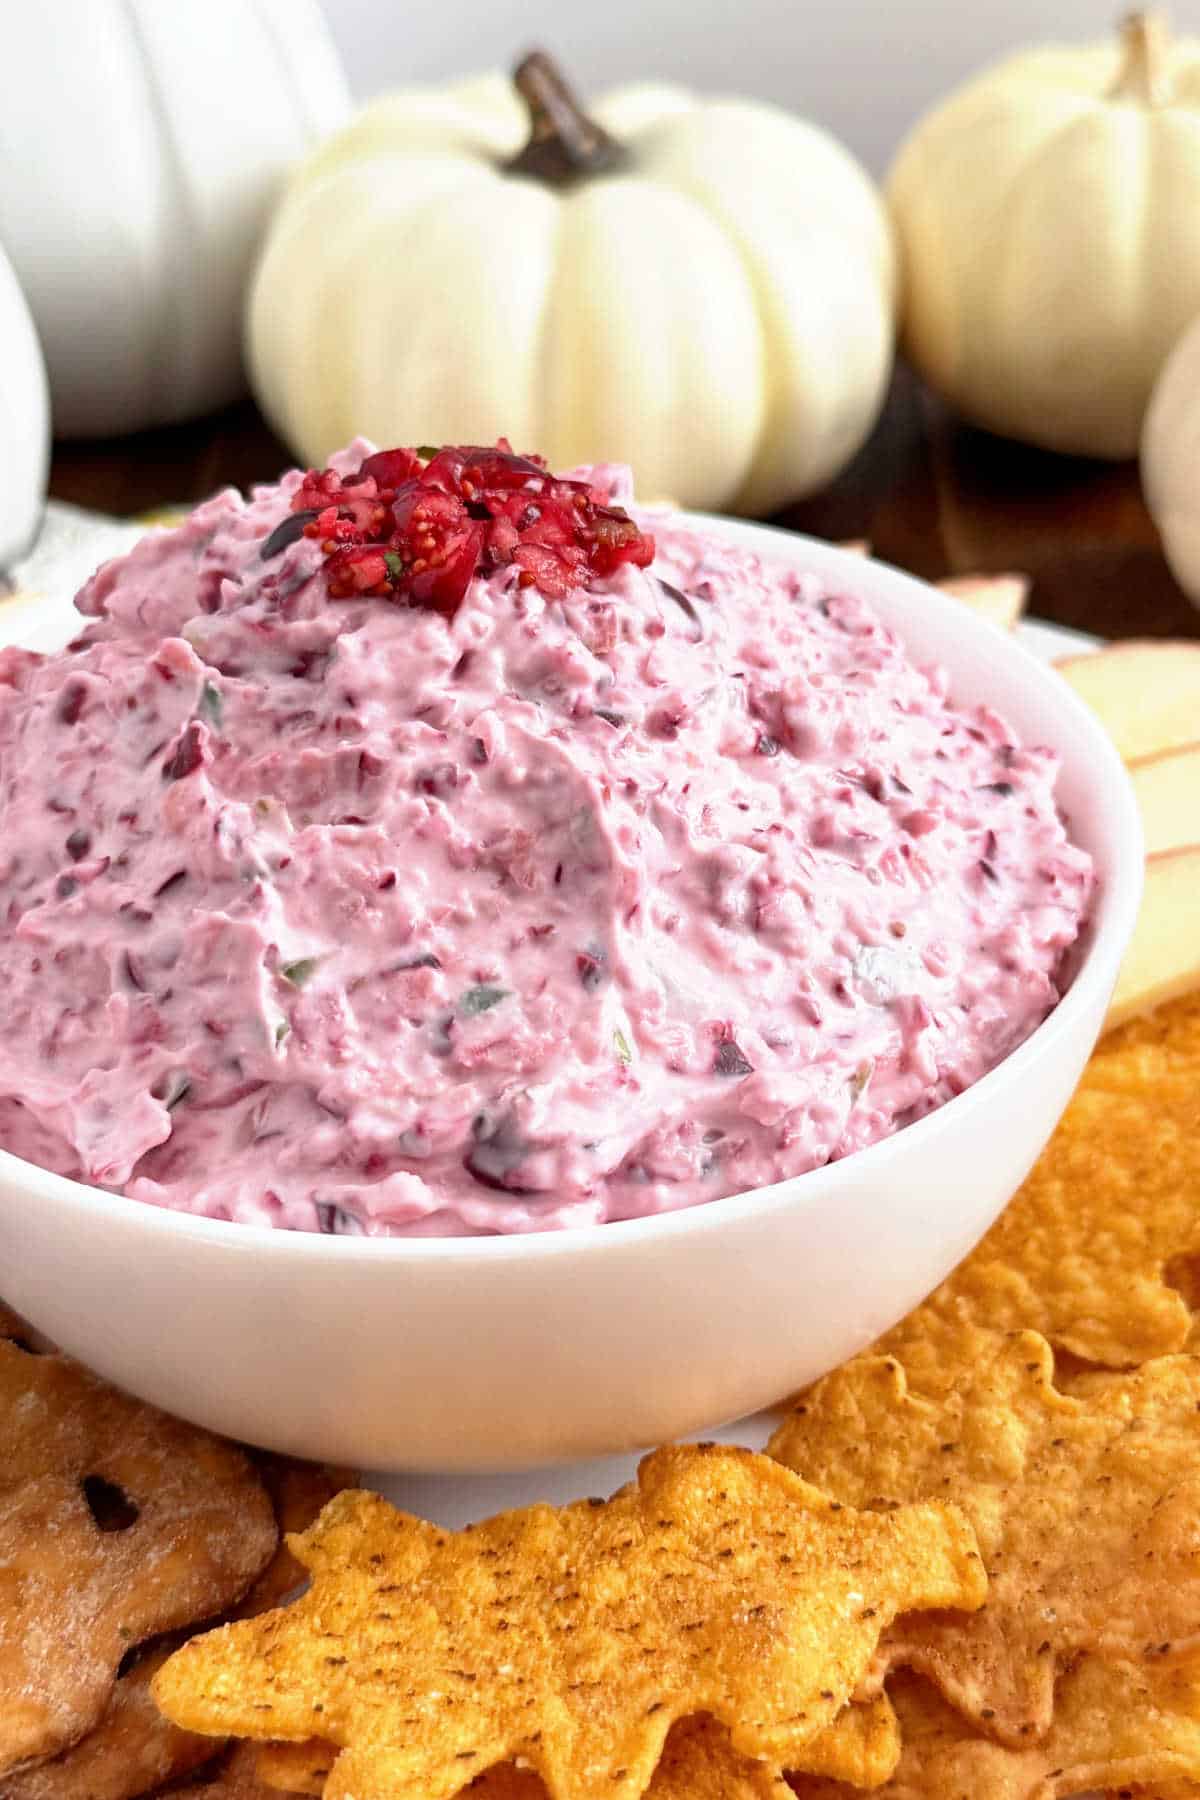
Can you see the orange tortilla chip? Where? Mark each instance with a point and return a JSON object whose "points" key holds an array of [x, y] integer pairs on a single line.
{"points": [[116, 1523], [573, 1638], [1083, 1252], [298, 1492], [861, 1749], [1085, 1506], [698, 1763], [1116, 1727], [296, 1768]]}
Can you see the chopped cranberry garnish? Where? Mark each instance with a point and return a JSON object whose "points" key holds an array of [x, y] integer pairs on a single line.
{"points": [[404, 529], [391, 467]]}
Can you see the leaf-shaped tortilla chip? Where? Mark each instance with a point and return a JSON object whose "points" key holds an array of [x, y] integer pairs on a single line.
{"points": [[573, 1638], [1080, 1253], [1116, 1727], [860, 1749], [1086, 1507], [298, 1491], [296, 1768]]}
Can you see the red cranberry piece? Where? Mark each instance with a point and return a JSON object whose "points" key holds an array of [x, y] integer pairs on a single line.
{"points": [[71, 702], [187, 755], [439, 544], [355, 572], [390, 468], [467, 468], [420, 532], [555, 572]]}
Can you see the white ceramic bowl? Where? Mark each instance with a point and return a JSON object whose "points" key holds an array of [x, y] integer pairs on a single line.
{"points": [[507, 1352]]}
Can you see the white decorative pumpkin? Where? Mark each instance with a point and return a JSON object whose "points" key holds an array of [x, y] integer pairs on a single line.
{"points": [[1171, 461], [142, 144], [24, 421], [1048, 217], [706, 293]]}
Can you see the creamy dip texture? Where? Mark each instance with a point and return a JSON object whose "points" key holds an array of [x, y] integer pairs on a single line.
{"points": [[345, 916]]}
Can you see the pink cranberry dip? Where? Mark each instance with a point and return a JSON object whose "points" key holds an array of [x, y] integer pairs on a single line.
{"points": [[431, 851]]}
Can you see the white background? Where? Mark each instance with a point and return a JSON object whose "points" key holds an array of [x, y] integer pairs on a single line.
{"points": [[866, 70]]}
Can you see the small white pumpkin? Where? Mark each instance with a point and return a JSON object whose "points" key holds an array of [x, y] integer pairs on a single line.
{"points": [[1171, 461], [1049, 224], [701, 289], [24, 421], [142, 145]]}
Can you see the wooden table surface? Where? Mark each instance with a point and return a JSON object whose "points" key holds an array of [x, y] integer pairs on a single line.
{"points": [[930, 494]]}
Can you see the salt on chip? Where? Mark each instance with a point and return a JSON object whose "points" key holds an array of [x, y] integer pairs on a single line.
{"points": [[1083, 1252], [1123, 1726], [116, 1523], [861, 1749], [1086, 1507], [573, 1638], [132, 1748], [129, 1751]]}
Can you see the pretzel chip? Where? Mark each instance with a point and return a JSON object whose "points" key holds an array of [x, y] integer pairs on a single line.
{"points": [[117, 1524]]}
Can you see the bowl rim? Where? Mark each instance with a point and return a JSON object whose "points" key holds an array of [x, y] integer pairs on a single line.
{"points": [[1098, 968]]}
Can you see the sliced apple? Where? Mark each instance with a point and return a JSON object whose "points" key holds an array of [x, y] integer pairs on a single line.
{"points": [[1146, 692], [1168, 795], [1163, 961], [1000, 598]]}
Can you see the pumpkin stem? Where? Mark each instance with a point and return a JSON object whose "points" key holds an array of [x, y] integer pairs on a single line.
{"points": [[1144, 75], [564, 145]]}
